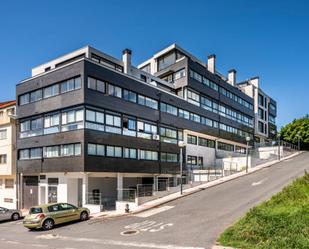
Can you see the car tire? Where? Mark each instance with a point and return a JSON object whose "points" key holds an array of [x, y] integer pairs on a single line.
{"points": [[15, 216], [84, 216], [48, 224]]}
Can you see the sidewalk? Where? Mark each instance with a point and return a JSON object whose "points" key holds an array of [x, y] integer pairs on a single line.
{"points": [[174, 196]]}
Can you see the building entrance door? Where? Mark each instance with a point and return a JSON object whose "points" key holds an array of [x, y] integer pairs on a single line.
{"points": [[30, 191]]}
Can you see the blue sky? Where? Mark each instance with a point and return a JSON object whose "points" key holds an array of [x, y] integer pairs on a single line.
{"points": [[265, 38]]}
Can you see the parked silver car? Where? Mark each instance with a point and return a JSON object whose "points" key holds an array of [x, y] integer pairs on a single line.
{"points": [[9, 214]]}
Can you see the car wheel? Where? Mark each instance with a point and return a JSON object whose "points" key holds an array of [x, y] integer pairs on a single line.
{"points": [[15, 216], [84, 216], [48, 224]]}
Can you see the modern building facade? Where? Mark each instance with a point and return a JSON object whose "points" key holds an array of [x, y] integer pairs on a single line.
{"points": [[265, 110], [8, 185], [91, 126]]}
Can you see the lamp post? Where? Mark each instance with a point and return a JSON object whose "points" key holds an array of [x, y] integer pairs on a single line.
{"points": [[181, 145], [247, 153], [279, 149]]}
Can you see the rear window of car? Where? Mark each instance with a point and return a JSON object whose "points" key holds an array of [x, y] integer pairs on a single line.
{"points": [[35, 211]]}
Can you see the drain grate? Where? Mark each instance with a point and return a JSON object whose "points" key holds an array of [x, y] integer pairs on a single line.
{"points": [[129, 232]]}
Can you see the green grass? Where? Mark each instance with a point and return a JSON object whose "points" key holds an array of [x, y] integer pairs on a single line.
{"points": [[280, 223]]}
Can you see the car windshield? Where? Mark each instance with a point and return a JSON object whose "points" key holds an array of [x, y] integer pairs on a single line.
{"points": [[35, 211]]}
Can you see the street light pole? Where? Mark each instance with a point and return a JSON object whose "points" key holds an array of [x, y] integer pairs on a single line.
{"points": [[181, 145], [247, 154]]}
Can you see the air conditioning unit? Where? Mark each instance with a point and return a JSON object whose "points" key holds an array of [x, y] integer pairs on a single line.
{"points": [[155, 137]]}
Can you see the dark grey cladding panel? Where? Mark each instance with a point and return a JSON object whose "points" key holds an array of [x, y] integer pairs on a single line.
{"points": [[51, 78], [105, 164], [273, 102], [61, 101], [92, 136], [52, 139], [215, 78], [53, 103], [61, 164]]}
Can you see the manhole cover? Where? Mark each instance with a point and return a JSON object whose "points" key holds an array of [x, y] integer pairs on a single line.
{"points": [[129, 232]]}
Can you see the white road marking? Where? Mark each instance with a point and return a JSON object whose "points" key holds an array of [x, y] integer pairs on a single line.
{"points": [[258, 183], [153, 211], [116, 242]]}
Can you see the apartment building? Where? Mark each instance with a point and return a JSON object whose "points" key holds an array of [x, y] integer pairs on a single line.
{"points": [[92, 126], [265, 111], [7, 155]]}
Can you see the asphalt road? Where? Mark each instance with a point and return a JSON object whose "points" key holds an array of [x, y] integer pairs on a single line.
{"points": [[194, 221]]}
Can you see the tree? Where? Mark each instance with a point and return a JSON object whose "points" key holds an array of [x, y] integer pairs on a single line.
{"points": [[298, 130]]}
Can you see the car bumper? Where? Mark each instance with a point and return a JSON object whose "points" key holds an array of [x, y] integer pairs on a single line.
{"points": [[32, 224]]}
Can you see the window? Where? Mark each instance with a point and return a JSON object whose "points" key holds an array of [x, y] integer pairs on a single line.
{"points": [[51, 91], [52, 151], [114, 91], [113, 151], [95, 120], [261, 127], [206, 121], [71, 150], [142, 100], [3, 134], [36, 95], [146, 130], [3, 159], [195, 118], [130, 153], [272, 107], [168, 135], [224, 146], [148, 155], [180, 74], [272, 119], [206, 103], [206, 142], [51, 123], [168, 108], [169, 157], [72, 120], [191, 160], [113, 123], [70, 85], [239, 149], [261, 113], [183, 114], [146, 68], [261, 100], [193, 98], [9, 183], [24, 99], [191, 139], [96, 149], [129, 96], [166, 60], [24, 154]]}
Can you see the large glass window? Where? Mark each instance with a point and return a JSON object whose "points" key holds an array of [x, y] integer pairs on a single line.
{"points": [[72, 120], [224, 146], [51, 91], [142, 100], [168, 108], [51, 123], [183, 114], [52, 151], [206, 142], [114, 91], [129, 96], [130, 153], [113, 151], [148, 155], [191, 139], [169, 157], [96, 149], [113, 123], [36, 95], [70, 85], [193, 98], [168, 135], [24, 99], [94, 120]]}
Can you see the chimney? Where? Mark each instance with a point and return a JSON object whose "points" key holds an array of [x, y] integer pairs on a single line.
{"points": [[211, 63], [126, 58], [255, 81], [231, 77]]}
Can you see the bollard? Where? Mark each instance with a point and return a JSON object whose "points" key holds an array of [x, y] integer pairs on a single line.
{"points": [[127, 209]]}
